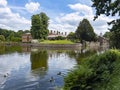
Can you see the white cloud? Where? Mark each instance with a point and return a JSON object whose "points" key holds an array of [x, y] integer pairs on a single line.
{"points": [[62, 27], [32, 7], [10, 20], [69, 22], [3, 2], [84, 9], [100, 24], [65, 22]]}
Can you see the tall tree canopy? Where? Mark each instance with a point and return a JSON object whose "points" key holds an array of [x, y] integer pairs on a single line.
{"points": [[39, 28], [85, 31], [110, 8]]}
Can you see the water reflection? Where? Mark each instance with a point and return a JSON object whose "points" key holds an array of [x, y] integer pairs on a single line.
{"points": [[26, 49], [35, 69], [78, 55], [2, 49], [13, 49], [39, 60], [39, 65]]}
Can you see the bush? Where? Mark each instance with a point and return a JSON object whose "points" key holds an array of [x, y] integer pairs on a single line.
{"points": [[99, 72], [60, 38], [41, 40], [16, 39]]}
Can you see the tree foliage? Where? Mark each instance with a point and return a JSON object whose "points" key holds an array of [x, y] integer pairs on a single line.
{"points": [[107, 35], [110, 8], [2, 38], [99, 72], [11, 35], [60, 38], [85, 31], [71, 36], [39, 28]]}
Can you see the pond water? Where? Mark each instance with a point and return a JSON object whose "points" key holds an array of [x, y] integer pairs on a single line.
{"points": [[25, 68]]}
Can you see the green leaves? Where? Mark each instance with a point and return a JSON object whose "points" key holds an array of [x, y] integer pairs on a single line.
{"points": [[98, 72], [2, 38], [39, 29], [110, 8], [85, 31]]}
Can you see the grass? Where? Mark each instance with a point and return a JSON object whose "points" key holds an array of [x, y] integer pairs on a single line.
{"points": [[56, 42]]}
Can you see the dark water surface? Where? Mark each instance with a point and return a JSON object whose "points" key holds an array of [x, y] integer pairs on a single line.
{"points": [[25, 68]]}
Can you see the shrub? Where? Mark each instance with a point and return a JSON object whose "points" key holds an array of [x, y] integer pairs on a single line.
{"points": [[16, 39], [98, 72], [60, 38]]}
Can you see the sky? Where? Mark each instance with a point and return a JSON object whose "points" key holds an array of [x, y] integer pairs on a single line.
{"points": [[64, 15]]}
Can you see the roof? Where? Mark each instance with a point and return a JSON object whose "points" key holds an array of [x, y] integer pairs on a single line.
{"points": [[26, 34], [52, 36]]}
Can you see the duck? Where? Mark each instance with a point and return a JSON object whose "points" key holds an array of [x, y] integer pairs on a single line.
{"points": [[5, 75], [51, 79], [59, 73]]}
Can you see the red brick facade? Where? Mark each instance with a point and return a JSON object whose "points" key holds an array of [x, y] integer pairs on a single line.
{"points": [[26, 37]]}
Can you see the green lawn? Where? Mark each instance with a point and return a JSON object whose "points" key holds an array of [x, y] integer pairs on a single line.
{"points": [[56, 42]]}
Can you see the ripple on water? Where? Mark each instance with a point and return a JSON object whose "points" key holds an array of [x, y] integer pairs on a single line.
{"points": [[2, 81]]}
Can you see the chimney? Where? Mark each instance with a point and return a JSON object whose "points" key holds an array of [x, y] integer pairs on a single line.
{"points": [[51, 32], [65, 33], [57, 32], [54, 32]]}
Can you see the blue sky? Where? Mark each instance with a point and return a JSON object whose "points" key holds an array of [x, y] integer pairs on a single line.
{"points": [[64, 15]]}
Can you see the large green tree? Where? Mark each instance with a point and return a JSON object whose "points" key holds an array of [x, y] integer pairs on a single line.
{"points": [[39, 28], [35, 29], [85, 31], [110, 8]]}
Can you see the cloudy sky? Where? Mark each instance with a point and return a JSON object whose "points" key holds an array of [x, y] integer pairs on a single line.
{"points": [[64, 15]]}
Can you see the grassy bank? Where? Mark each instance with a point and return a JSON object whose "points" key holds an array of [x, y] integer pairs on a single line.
{"points": [[56, 42], [99, 72]]}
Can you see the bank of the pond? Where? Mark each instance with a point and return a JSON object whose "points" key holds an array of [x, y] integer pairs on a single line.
{"points": [[55, 45], [99, 72], [75, 45], [92, 45]]}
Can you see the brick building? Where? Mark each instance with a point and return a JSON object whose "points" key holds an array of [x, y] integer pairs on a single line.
{"points": [[26, 37], [53, 34]]}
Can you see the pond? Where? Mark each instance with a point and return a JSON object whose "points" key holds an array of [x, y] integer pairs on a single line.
{"points": [[26, 68]]}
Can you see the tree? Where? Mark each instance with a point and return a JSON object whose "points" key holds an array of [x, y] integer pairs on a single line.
{"points": [[35, 29], [107, 35], [4, 32], [39, 29], [44, 20], [11, 37], [85, 31], [2, 38], [27, 31], [110, 8], [71, 36]]}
